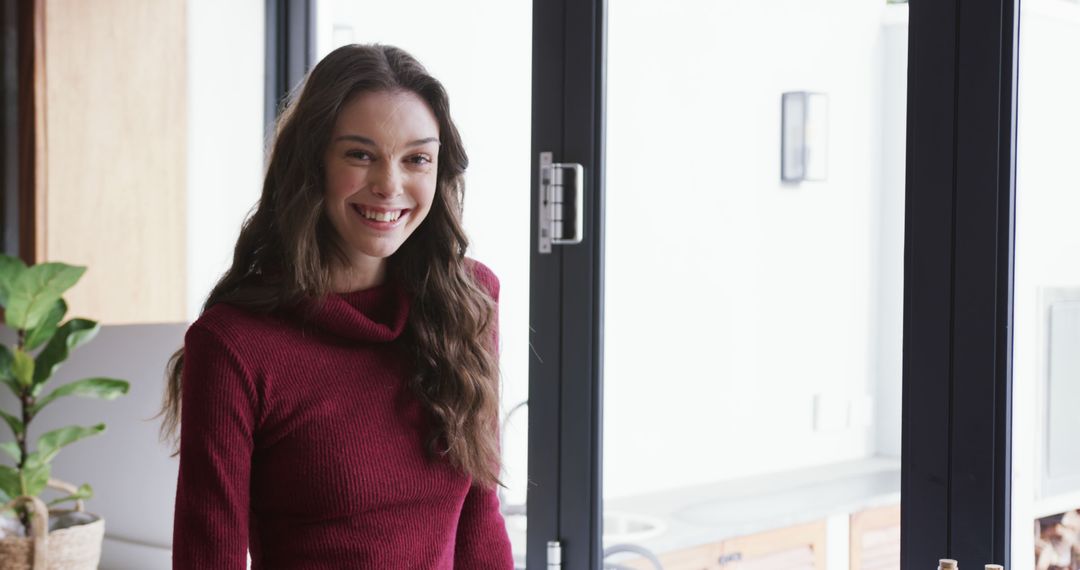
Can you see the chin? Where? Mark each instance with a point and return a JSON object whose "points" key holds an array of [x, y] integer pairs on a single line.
{"points": [[380, 252]]}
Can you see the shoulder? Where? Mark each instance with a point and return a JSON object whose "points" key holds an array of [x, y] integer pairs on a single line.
{"points": [[218, 361], [232, 327], [484, 276]]}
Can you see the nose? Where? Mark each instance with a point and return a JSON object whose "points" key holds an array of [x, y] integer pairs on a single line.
{"points": [[386, 181]]}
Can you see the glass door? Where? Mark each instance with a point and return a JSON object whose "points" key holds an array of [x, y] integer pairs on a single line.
{"points": [[754, 232]]}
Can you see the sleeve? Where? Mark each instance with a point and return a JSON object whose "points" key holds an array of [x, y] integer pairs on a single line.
{"points": [[482, 540], [217, 419]]}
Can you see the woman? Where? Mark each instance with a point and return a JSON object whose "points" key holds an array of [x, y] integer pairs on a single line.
{"points": [[340, 387]]}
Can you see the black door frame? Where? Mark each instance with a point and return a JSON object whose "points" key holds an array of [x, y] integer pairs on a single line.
{"points": [[956, 450], [290, 53], [566, 293], [956, 462]]}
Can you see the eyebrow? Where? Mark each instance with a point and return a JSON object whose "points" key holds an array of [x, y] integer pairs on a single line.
{"points": [[370, 142]]}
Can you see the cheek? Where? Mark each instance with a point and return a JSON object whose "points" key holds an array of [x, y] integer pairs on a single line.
{"points": [[429, 196], [340, 183], [424, 192]]}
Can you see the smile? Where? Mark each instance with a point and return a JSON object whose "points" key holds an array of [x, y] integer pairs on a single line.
{"points": [[380, 218]]}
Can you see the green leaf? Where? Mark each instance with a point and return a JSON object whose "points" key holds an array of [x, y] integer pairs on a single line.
{"points": [[48, 327], [12, 449], [100, 388], [35, 478], [84, 492], [35, 291], [15, 423], [9, 481], [49, 444], [68, 337], [10, 269], [6, 375], [22, 367]]}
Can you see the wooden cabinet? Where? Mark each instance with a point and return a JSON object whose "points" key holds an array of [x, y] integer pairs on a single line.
{"points": [[107, 145], [875, 539], [794, 548]]}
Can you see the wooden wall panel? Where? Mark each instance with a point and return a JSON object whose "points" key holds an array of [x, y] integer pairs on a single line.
{"points": [[114, 191], [875, 539]]}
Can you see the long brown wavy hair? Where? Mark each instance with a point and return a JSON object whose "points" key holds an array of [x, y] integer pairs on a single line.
{"points": [[287, 245]]}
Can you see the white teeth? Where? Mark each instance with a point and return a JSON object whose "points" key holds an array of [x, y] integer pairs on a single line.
{"points": [[381, 216]]}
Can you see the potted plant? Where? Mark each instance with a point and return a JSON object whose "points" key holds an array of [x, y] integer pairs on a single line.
{"points": [[33, 307]]}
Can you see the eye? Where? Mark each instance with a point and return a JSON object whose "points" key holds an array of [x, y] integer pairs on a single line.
{"points": [[420, 159], [358, 154]]}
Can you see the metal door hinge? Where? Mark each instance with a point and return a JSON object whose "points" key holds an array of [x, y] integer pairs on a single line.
{"points": [[562, 199], [554, 554]]}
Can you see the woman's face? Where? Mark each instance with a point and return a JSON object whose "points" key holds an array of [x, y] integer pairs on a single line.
{"points": [[381, 168]]}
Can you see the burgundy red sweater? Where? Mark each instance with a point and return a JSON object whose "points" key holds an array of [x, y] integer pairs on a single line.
{"points": [[304, 445]]}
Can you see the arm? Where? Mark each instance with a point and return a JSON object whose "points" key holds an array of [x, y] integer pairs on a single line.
{"points": [[482, 541], [217, 419]]}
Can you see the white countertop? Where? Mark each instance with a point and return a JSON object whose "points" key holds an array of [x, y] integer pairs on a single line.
{"points": [[709, 513], [704, 514]]}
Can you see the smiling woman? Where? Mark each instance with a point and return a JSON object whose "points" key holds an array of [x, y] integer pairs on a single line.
{"points": [[349, 355], [380, 184]]}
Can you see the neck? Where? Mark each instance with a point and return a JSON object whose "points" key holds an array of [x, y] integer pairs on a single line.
{"points": [[362, 274]]}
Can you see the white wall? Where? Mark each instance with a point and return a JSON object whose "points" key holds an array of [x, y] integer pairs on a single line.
{"points": [[1047, 239], [226, 83], [734, 299]]}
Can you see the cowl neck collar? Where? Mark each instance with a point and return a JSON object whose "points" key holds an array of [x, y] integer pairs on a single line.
{"points": [[376, 314]]}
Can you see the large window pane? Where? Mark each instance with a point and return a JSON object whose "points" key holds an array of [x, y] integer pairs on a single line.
{"points": [[752, 362]]}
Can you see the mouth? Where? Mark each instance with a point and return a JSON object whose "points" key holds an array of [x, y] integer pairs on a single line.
{"points": [[380, 218]]}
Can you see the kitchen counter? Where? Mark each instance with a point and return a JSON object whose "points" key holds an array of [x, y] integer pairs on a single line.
{"points": [[704, 514], [709, 513]]}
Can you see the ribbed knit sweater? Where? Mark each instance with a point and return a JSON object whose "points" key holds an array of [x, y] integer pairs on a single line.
{"points": [[304, 445]]}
